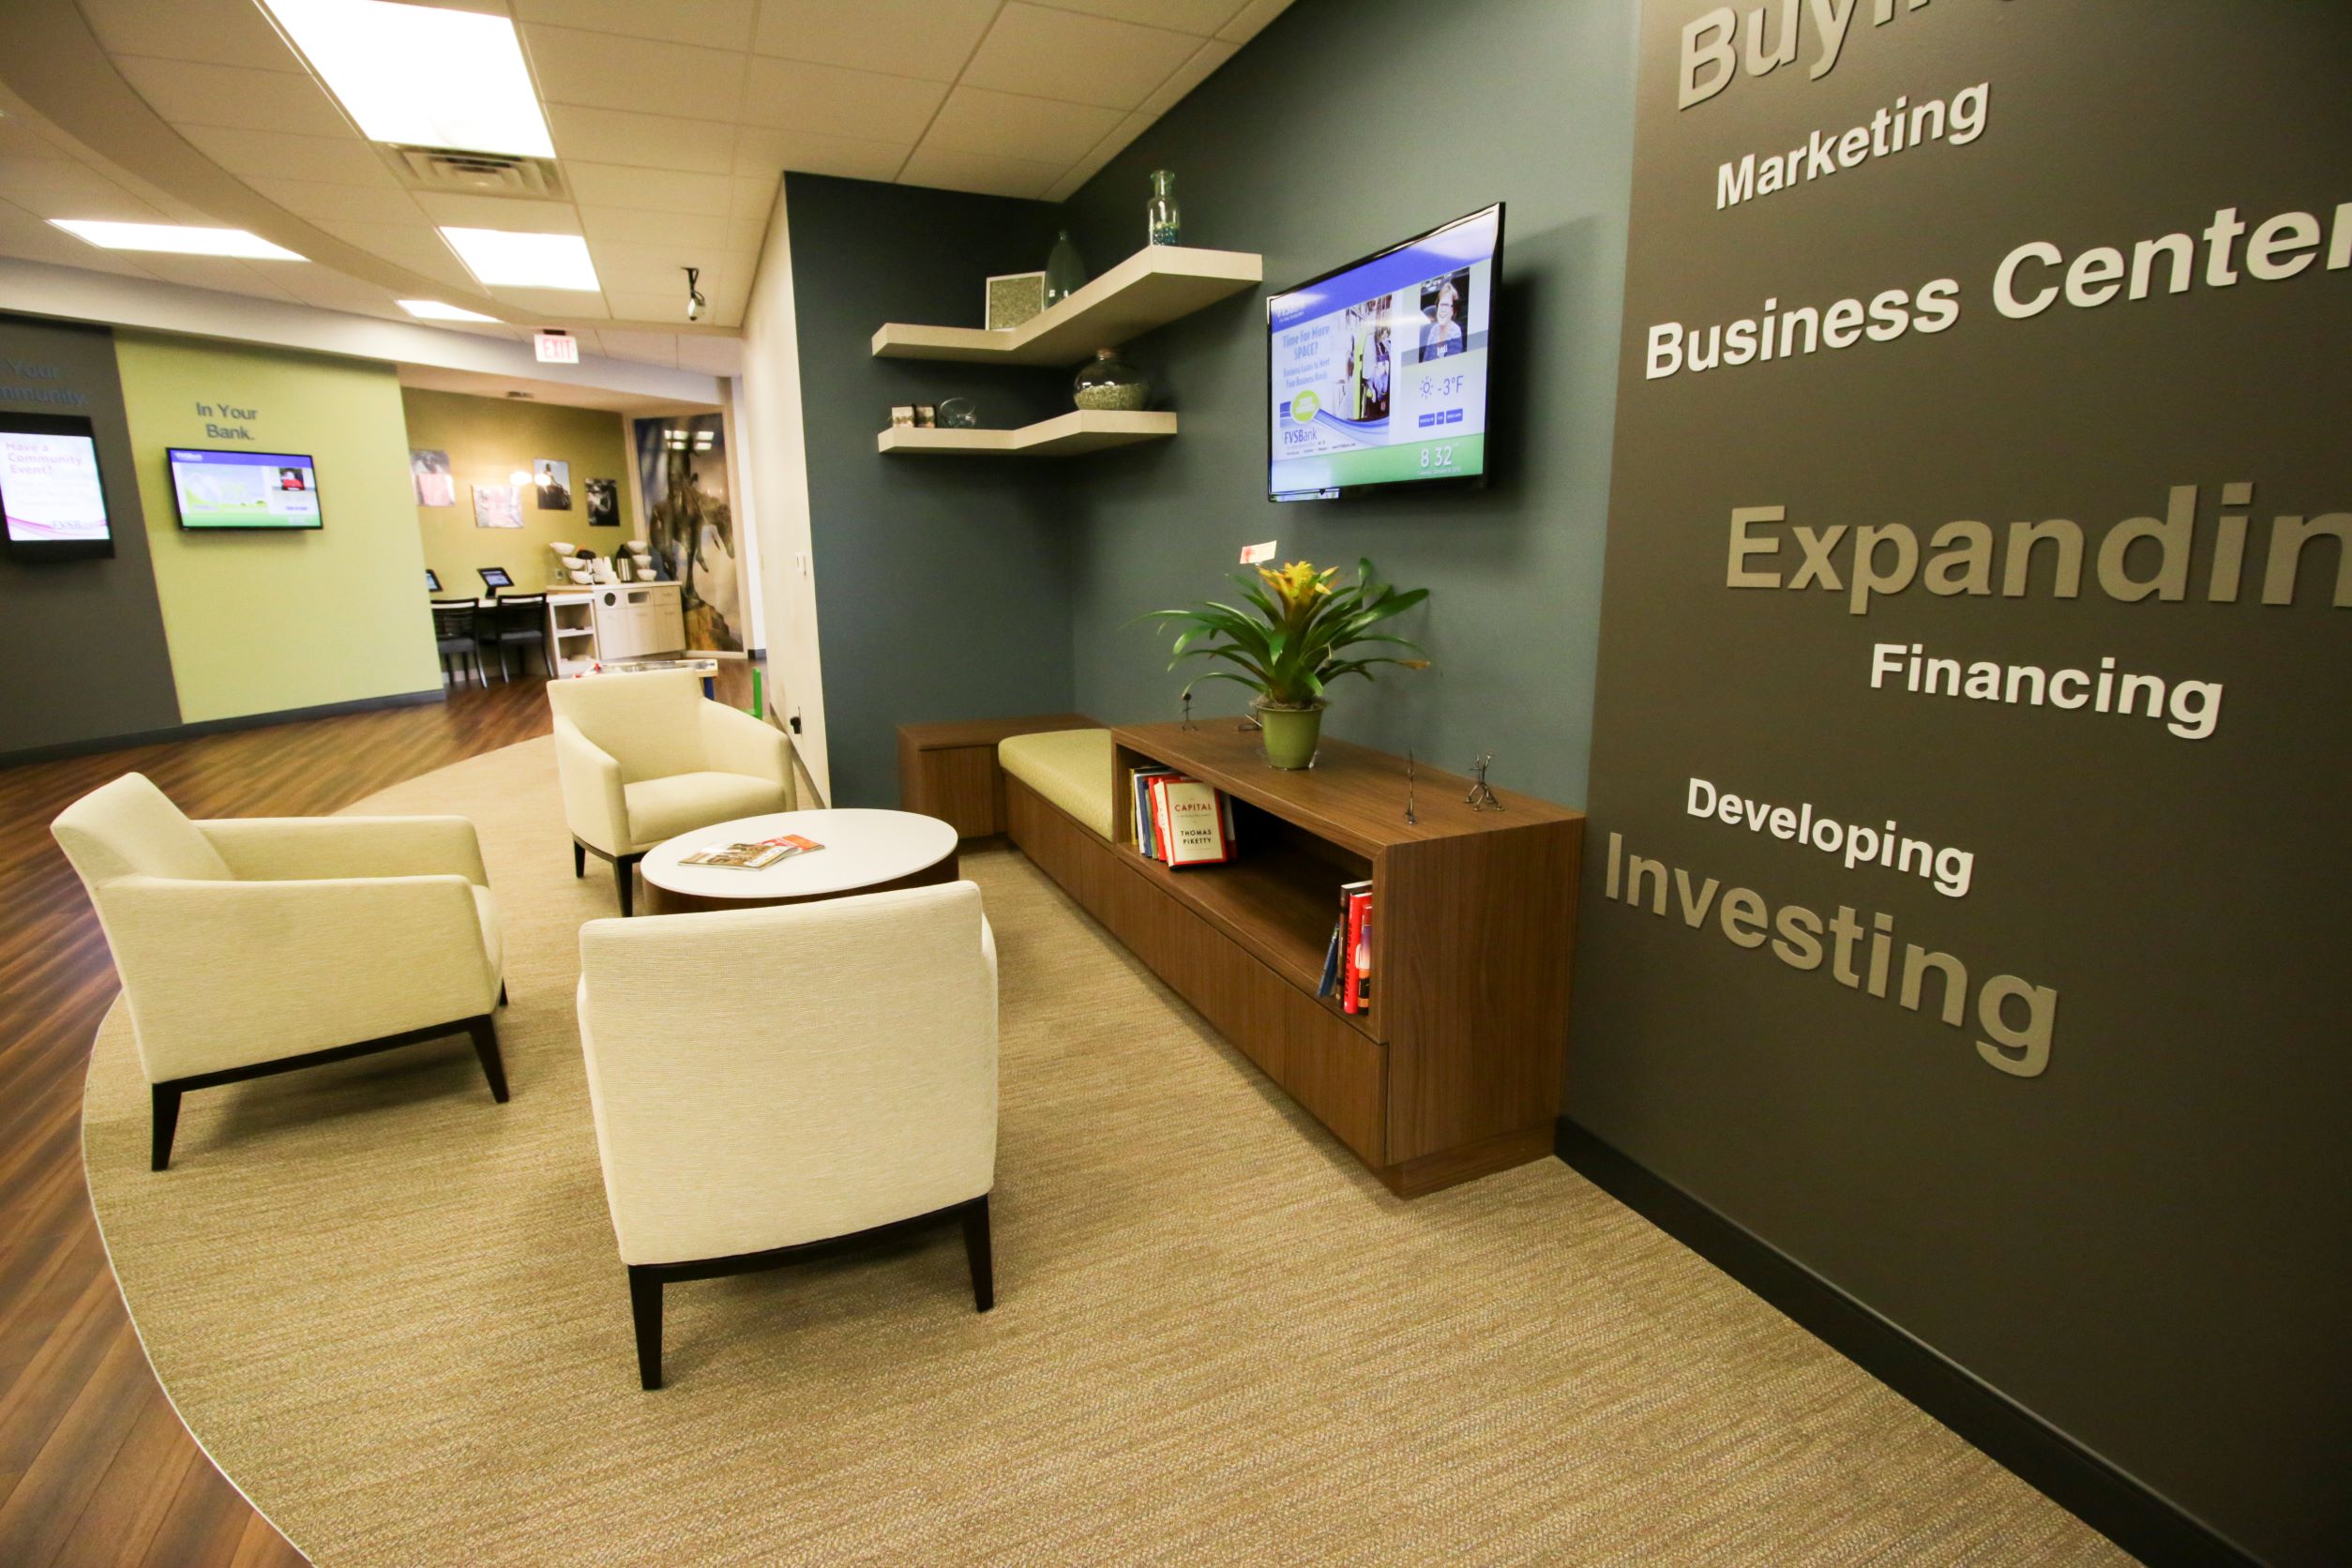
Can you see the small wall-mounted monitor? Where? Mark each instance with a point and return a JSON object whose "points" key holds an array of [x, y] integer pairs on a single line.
{"points": [[495, 578], [271, 491], [432, 580], [51, 495]]}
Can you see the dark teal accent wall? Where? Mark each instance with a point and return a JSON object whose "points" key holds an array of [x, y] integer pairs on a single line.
{"points": [[83, 641], [942, 584], [1347, 126]]}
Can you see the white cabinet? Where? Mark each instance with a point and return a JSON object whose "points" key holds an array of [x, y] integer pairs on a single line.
{"points": [[636, 620]]}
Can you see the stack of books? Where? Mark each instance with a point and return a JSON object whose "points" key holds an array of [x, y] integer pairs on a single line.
{"points": [[1348, 962], [1178, 820]]}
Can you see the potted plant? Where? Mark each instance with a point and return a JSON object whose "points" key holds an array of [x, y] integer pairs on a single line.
{"points": [[1298, 643]]}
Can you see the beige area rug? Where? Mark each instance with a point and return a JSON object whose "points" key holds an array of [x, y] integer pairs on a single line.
{"points": [[392, 1312]]}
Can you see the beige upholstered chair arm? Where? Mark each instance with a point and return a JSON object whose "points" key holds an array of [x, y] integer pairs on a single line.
{"points": [[594, 807], [295, 849], [737, 743], [221, 973]]}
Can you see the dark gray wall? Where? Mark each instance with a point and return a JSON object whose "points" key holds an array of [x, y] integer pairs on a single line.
{"points": [[1347, 126], [2145, 1243], [942, 584], [81, 642]]}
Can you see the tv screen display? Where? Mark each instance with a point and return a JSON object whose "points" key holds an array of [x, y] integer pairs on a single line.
{"points": [[244, 489], [1377, 372], [51, 495]]}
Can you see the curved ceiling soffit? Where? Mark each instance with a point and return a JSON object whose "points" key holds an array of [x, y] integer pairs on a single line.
{"points": [[57, 66]]}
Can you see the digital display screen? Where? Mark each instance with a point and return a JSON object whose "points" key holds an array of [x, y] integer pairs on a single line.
{"points": [[245, 490], [51, 495], [495, 577], [1377, 372]]}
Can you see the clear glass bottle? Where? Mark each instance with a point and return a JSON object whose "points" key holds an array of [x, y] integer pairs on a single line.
{"points": [[1160, 216], [1109, 382], [1065, 270]]}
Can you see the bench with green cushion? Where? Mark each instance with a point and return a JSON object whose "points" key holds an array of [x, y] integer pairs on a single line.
{"points": [[1069, 768]]}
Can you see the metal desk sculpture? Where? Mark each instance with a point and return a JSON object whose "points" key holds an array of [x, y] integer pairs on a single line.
{"points": [[1481, 794]]}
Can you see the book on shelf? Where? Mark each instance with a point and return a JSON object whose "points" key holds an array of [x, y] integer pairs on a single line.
{"points": [[751, 858], [1181, 821], [1347, 958]]}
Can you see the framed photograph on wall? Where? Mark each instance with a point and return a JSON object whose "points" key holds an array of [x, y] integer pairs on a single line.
{"points": [[435, 484], [1013, 298], [553, 478], [603, 503], [498, 505]]}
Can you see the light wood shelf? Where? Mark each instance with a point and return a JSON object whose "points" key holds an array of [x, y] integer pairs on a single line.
{"points": [[1154, 286], [1080, 430]]}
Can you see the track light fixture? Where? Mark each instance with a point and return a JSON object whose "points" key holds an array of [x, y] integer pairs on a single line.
{"points": [[695, 304]]}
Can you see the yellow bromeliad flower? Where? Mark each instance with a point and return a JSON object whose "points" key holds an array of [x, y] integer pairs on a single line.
{"points": [[1298, 584]]}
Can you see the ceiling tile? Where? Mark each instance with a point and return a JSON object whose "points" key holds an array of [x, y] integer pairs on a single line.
{"points": [[642, 348], [219, 272], [230, 34], [711, 355], [746, 235], [1084, 59], [611, 184], [192, 93], [351, 204], [754, 195], [764, 152], [499, 212], [110, 204], [653, 266], [333, 291], [634, 226], [930, 38], [1092, 164], [711, 23], [981, 171], [793, 95], [270, 155], [21, 137], [604, 71], [1191, 74], [1253, 17], [641, 140], [648, 309], [1200, 18], [552, 305], [63, 175], [1042, 130]]}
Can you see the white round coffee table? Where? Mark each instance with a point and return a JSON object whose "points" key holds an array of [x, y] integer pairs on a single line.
{"points": [[864, 851]]}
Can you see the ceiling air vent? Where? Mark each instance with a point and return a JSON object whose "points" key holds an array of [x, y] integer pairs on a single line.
{"points": [[465, 174]]}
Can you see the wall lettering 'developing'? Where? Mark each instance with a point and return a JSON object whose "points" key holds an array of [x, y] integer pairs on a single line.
{"points": [[1975, 692]]}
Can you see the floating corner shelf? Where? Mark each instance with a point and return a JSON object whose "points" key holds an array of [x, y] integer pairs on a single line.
{"points": [[1081, 431], [1156, 285]]}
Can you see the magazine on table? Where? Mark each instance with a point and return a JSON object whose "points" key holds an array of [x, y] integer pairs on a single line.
{"points": [[751, 858]]}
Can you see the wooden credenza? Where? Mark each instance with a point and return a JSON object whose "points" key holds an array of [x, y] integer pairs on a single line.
{"points": [[1455, 1070]]}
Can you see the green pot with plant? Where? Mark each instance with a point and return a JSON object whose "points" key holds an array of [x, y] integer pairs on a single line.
{"points": [[1309, 630]]}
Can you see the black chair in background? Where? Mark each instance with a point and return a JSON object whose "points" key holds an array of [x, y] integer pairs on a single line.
{"points": [[518, 620], [457, 630]]}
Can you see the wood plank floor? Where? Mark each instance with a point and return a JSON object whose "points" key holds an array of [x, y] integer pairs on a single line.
{"points": [[95, 1468]]}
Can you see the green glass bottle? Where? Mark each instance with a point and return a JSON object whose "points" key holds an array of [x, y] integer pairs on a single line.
{"points": [[1161, 218], [1065, 270]]}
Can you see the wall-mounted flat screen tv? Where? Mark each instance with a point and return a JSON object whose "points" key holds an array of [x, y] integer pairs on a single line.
{"points": [[218, 491], [51, 495], [1377, 370]]}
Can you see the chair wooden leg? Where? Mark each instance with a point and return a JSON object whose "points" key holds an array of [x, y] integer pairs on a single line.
{"points": [[485, 1032], [165, 1102], [646, 1311], [580, 858], [976, 1252], [625, 879]]}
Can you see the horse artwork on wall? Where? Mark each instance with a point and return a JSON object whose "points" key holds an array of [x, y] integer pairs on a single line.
{"points": [[682, 466]]}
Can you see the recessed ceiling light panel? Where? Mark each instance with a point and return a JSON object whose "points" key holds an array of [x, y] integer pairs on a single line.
{"points": [[177, 239], [500, 259], [434, 310], [422, 75]]}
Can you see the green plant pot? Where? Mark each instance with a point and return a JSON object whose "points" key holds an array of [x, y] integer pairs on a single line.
{"points": [[1291, 735]]}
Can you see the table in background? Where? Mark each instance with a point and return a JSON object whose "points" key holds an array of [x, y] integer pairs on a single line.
{"points": [[864, 851]]}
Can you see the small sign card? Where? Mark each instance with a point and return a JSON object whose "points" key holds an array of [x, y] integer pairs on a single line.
{"points": [[1253, 554]]}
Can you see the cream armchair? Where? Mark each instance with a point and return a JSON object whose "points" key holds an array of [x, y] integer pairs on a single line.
{"points": [[249, 947], [644, 757], [766, 1079]]}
